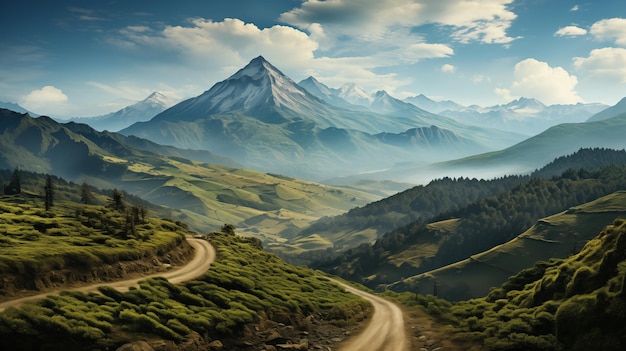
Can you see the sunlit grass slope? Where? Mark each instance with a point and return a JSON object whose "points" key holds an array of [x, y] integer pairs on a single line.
{"points": [[72, 235], [245, 285], [557, 236], [573, 304], [267, 206]]}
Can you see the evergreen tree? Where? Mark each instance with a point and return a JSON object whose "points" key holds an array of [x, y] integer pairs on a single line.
{"points": [[14, 186], [49, 193], [86, 196], [117, 201]]}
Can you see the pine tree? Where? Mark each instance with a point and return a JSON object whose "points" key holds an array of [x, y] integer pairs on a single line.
{"points": [[49, 193], [14, 186], [117, 201], [86, 196]]}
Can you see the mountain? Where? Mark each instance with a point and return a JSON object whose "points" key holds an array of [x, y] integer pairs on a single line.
{"points": [[355, 95], [206, 194], [265, 121], [323, 92], [527, 116], [610, 112], [535, 152], [15, 107], [141, 111], [433, 106]]}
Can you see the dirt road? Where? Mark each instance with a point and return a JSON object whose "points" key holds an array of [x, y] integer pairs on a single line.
{"points": [[204, 255], [385, 332]]}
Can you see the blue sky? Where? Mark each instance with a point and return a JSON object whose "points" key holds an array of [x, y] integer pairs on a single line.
{"points": [[85, 58]]}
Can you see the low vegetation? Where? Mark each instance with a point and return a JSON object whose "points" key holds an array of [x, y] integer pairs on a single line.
{"points": [[576, 303], [244, 284], [35, 241], [482, 225]]}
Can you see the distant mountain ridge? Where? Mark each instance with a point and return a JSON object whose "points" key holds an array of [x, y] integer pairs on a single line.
{"points": [[141, 111], [16, 107], [610, 112], [433, 106], [524, 115], [264, 120]]}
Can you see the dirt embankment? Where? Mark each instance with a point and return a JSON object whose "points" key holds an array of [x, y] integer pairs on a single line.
{"points": [[13, 285]]}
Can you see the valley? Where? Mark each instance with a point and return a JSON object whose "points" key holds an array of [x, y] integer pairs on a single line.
{"points": [[217, 222]]}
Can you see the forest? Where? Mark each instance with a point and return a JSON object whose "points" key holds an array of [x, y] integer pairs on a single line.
{"points": [[483, 224]]}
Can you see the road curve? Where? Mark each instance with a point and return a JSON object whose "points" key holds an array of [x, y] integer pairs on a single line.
{"points": [[385, 331], [204, 255]]}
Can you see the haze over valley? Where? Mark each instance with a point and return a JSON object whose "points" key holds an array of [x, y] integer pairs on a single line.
{"points": [[313, 175]]}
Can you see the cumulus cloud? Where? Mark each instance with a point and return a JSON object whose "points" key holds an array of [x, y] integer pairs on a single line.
{"points": [[536, 79], [570, 31], [486, 21], [47, 100], [218, 49], [448, 68], [605, 63], [613, 29], [229, 43], [575, 8]]}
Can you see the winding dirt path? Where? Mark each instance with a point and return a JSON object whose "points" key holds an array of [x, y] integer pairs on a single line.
{"points": [[385, 331], [204, 255]]}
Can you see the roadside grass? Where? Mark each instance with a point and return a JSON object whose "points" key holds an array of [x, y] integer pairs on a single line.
{"points": [[33, 240], [244, 283]]}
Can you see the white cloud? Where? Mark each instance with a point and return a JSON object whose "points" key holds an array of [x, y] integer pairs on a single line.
{"points": [[604, 63], [570, 31], [613, 29], [575, 8], [473, 20], [448, 68], [536, 79], [230, 43], [218, 49], [47, 100]]}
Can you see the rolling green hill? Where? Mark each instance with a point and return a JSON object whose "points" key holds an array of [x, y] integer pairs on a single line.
{"points": [[204, 195], [556, 236], [537, 151], [422, 246], [421, 203], [576, 303], [248, 297]]}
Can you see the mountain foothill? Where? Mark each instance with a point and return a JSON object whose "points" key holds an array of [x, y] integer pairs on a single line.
{"points": [[498, 221]]}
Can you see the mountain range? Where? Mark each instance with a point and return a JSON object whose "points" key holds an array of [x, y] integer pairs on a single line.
{"points": [[141, 111], [264, 120], [526, 116]]}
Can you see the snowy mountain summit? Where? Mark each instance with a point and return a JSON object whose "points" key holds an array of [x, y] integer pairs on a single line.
{"points": [[259, 89]]}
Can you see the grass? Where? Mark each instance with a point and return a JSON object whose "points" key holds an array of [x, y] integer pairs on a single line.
{"points": [[575, 303], [554, 236], [219, 194], [244, 283], [74, 235]]}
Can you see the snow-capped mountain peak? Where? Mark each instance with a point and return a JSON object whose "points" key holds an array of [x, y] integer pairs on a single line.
{"points": [[355, 95]]}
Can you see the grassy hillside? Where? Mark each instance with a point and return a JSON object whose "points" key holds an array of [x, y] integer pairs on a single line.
{"points": [[556, 236], [423, 246], [421, 203], [205, 195], [75, 243], [367, 223], [573, 304], [245, 290]]}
